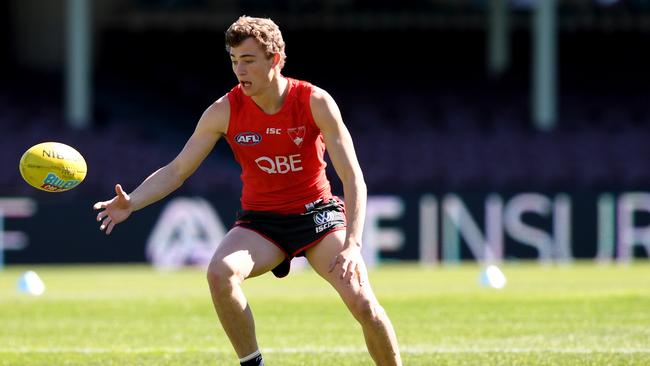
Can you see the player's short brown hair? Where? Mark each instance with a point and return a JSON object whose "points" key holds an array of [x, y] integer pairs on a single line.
{"points": [[263, 30]]}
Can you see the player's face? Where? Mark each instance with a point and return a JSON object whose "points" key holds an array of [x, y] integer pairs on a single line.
{"points": [[253, 68]]}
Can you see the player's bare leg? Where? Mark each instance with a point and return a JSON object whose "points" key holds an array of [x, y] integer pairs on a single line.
{"points": [[377, 328], [242, 254]]}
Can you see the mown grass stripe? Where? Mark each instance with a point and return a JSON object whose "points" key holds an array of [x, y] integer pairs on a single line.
{"points": [[339, 350]]}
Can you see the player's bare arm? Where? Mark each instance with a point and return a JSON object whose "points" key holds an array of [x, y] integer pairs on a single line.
{"points": [[211, 126], [340, 148]]}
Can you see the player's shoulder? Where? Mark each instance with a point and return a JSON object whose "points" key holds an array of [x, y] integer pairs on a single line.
{"points": [[324, 109], [320, 98], [220, 108], [317, 94], [218, 114]]}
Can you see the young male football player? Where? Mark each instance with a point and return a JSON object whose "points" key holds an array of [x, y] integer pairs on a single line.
{"points": [[278, 129]]}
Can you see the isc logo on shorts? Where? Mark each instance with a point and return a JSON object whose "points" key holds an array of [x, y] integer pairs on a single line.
{"points": [[326, 219]]}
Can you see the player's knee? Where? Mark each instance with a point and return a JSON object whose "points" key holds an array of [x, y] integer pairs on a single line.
{"points": [[222, 277]]}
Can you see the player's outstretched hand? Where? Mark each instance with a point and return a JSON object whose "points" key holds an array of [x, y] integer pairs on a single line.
{"points": [[113, 211]]}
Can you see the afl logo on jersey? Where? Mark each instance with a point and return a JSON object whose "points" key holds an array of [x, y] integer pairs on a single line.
{"points": [[248, 138]]}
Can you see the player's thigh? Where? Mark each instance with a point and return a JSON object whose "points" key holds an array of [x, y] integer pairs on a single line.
{"points": [[245, 253], [321, 257]]}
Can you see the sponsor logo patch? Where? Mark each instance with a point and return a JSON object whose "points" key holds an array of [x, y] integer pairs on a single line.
{"points": [[279, 164], [322, 217], [327, 219], [248, 138]]}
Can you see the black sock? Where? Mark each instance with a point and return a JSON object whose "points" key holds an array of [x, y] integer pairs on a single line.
{"points": [[254, 359]]}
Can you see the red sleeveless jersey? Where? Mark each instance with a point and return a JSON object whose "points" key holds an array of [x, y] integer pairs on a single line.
{"points": [[281, 155]]}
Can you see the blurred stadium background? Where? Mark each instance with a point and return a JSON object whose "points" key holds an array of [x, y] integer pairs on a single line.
{"points": [[487, 130]]}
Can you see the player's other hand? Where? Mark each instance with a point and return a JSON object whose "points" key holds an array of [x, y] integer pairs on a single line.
{"points": [[113, 211], [350, 264]]}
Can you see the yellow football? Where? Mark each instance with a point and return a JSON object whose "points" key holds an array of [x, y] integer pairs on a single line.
{"points": [[53, 167]]}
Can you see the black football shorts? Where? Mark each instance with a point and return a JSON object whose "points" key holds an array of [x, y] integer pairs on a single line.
{"points": [[295, 233]]}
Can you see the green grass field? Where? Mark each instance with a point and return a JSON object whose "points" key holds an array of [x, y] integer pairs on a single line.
{"points": [[583, 314]]}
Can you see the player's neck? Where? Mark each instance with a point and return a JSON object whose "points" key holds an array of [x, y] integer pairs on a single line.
{"points": [[272, 100]]}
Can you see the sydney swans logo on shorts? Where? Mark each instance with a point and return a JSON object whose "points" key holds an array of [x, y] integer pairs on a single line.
{"points": [[326, 219], [297, 134], [248, 138]]}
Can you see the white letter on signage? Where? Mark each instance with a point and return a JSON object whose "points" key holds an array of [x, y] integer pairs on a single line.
{"points": [[428, 230], [524, 233], [456, 216], [629, 235], [377, 238]]}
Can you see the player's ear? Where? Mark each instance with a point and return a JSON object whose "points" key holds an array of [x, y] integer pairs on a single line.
{"points": [[276, 59]]}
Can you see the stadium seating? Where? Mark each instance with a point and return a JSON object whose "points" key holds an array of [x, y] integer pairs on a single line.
{"points": [[419, 143]]}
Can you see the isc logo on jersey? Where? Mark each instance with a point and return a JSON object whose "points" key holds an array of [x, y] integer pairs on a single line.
{"points": [[248, 138]]}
